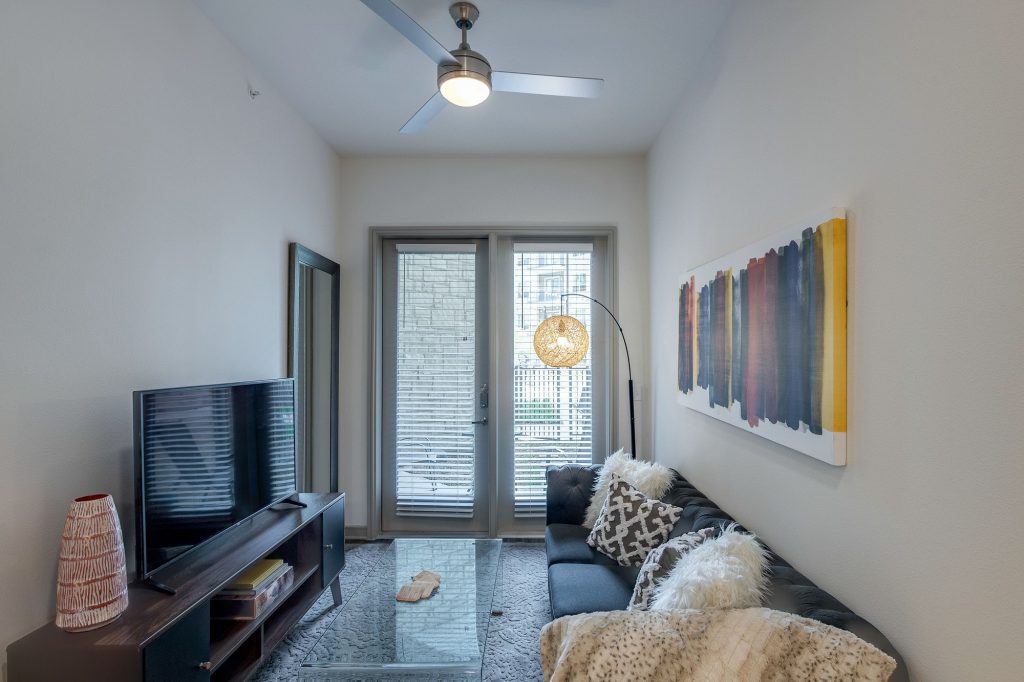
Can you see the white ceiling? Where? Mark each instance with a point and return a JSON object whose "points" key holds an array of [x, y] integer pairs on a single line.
{"points": [[357, 80]]}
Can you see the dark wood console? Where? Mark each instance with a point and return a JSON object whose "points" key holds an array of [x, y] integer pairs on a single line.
{"points": [[171, 638]]}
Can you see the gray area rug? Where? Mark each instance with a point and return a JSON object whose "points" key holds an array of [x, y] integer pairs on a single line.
{"points": [[512, 651]]}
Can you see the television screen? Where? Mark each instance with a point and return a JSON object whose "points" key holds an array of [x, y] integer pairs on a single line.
{"points": [[207, 458]]}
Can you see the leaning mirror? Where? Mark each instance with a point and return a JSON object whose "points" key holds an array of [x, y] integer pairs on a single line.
{"points": [[313, 311]]}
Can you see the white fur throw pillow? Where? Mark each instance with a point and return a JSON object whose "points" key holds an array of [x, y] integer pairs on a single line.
{"points": [[661, 560], [653, 480], [727, 572]]}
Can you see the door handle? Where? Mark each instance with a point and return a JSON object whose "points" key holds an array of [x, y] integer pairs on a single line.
{"points": [[479, 421]]}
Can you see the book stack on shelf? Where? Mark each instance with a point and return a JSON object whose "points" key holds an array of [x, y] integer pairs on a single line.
{"points": [[248, 595]]}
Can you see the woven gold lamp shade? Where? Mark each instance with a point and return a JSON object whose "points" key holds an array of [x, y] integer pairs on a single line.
{"points": [[561, 341]]}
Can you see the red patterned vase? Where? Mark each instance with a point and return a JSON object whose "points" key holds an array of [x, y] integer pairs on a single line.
{"points": [[92, 582]]}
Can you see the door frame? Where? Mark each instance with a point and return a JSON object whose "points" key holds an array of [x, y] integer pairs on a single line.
{"points": [[492, 233]]}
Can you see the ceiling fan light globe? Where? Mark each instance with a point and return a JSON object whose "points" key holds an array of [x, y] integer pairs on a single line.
{"points": [[464, 89]]}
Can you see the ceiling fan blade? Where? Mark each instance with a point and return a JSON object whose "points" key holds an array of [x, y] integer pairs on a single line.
{"points": [[537, 84], [403, 23], [422, 117]]}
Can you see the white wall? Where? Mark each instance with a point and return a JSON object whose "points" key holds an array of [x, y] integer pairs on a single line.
{"points": [[910, 115], [147, 205], [381, 192]]}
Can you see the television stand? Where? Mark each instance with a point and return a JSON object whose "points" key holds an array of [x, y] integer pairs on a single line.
{"points": [[294, 502], [158, 586], [172, 638]]}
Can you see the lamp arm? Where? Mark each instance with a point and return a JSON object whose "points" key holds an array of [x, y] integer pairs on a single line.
{"points": [[629, 365]]}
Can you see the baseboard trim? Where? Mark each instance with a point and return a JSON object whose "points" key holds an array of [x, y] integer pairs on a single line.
{"points": [[523, 538], [356, 533]]}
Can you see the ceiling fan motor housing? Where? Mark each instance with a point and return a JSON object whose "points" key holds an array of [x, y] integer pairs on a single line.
{"points": [[471, 64]]}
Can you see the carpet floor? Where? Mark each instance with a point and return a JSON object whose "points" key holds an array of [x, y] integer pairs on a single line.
{"points": [[512, 649]]}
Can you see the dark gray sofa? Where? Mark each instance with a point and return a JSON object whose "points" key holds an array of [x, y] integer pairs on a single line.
{"points": [[583, 580]]}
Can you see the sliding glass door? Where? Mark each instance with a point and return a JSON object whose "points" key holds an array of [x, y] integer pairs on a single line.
{"points": [[470, 417]]}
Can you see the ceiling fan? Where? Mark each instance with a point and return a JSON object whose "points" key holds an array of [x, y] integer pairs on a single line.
{"points": [[464, 76]]}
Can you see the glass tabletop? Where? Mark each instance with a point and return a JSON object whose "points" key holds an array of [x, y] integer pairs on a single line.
{"points": [[376, 637]]}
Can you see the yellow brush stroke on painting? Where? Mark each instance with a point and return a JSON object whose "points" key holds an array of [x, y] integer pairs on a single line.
{"points": [[833, 390], [728, 334]]}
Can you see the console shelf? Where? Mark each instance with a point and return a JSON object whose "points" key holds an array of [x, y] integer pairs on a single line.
{"points": [[165, 638], [227, 635]]}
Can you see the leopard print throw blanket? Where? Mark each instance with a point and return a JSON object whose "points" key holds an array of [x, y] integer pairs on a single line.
{"points": [[740, 645]]}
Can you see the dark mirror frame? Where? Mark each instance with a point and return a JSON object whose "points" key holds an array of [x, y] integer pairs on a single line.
{"points": [[299, 256]]}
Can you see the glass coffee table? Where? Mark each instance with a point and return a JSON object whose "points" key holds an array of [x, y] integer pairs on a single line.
{"points": [[375, 637]]}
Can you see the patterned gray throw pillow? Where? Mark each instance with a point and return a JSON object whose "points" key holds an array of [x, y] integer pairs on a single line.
{"points": [[631, 524], [660, 561]]}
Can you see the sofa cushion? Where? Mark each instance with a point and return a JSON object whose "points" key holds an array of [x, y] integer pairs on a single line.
{"points": [[567, 543], [584, 588]]}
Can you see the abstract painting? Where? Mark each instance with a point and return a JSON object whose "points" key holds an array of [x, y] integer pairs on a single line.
{"points": [[762, 339]]}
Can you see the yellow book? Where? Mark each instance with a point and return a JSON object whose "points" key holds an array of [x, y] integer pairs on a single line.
{"points": [[251, 577]]}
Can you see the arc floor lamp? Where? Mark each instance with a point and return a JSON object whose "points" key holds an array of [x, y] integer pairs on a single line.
{"points": [[562, 341]]}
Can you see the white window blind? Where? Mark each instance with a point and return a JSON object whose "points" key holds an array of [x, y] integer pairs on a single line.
{"points": [[552, 407], [436, 365]]}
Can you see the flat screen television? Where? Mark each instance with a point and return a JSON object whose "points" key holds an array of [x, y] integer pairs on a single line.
{"points": [[206, 459]]}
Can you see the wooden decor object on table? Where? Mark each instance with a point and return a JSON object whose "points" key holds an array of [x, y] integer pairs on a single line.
{"points": [[422, 586], [92, 581]]}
